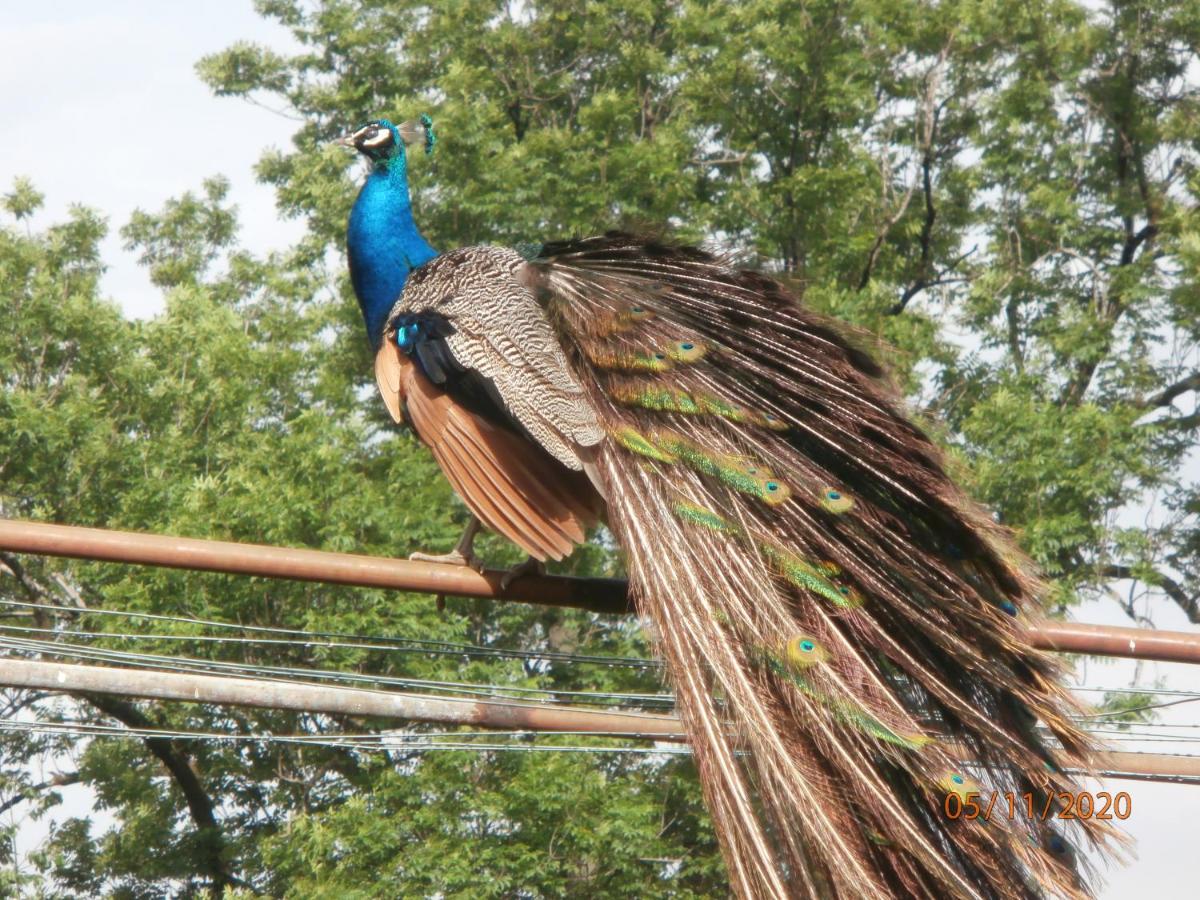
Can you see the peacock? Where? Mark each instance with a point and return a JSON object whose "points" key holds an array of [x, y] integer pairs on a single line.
{"points": [[843, 629]]}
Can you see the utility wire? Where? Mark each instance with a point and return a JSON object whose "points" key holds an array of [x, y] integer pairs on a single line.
{"points": [[292, 673], [302, 639], [1160, 692], [1120, 764], [384, 742], [433, 646], [397, 643], [62, 677], [178, 663], [1133, 709]]}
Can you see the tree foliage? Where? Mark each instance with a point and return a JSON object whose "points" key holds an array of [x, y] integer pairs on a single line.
{"points": [[1005, 193]]}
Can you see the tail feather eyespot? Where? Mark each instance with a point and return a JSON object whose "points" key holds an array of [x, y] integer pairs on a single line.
{"points": [[804, 652], [686, 351], [835, 501]]}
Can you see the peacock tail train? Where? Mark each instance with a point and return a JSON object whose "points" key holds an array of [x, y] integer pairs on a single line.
{"points": [[842, 627]]}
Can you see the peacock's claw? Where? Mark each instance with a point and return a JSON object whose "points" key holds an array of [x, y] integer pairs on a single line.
{"points": [[463, 553], [453, 558], [531, 566]]}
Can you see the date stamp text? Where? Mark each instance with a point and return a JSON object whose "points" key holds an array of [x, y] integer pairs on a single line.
{"points": [[1060, 805]]}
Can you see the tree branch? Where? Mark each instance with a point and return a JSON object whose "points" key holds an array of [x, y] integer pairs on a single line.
{"points": [[735, 159], [930, 114], [57, 781], [176, 760], [1169, 586], [168, 752], [1133, 240], [1186, 423], [923, 283], [1012, 316], [869, 268], [1168, 394], [1129, 161], [12, 565]]}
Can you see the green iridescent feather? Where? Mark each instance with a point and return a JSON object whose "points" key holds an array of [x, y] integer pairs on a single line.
{"points": [[847, 713], [730, 471], [810, 577], [815, 577]]}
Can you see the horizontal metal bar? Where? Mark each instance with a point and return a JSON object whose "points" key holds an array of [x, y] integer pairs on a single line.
{"points": [[1113, 640], [268, 694], [603, 595]]}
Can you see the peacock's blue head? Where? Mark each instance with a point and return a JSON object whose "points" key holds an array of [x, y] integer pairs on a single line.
{"points": [[381, 141], [383, 244]]}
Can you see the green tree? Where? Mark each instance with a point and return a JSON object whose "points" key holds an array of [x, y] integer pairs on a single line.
{"points": [[227, 417], [1006, 193]]}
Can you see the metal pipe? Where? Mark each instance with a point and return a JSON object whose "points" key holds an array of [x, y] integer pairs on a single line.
{"points": [[1113, 640], [267, 694], [605, 595], [1149, 767], [602, 595]]}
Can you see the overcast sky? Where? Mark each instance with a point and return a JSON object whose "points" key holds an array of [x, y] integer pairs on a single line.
{"points": [[101, 106]]}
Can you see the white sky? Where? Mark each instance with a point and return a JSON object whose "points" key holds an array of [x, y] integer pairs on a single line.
{"points": [[101, 106]]}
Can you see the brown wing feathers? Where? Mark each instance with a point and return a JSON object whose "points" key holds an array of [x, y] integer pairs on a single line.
{"points": [[513, 486]]}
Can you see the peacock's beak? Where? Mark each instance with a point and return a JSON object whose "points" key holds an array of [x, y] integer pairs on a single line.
{"points": [[346, 140]]}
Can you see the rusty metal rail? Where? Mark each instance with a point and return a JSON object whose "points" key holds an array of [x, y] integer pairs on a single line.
{"points": [[317, 698], [601, 595], [605, 595], [597, 595], [270, 694]]}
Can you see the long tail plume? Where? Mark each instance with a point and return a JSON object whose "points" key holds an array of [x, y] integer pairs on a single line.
{"points": [[844, 629]]}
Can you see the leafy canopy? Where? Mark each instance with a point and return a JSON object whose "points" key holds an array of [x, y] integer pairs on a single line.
{"points": [[1005, 192]]}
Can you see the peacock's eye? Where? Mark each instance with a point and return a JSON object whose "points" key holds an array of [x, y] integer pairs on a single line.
{"points": [[373, 137]]}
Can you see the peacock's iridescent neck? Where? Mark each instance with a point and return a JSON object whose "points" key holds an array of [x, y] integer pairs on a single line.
{"points": [[383, 244]]}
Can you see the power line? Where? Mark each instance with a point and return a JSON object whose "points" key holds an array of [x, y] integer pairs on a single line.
{"points": [[312, 676], [382, 742], [372, 642], [1121, 712], [308, 675], [1162, 692], [487, 713], [293, 674], [316, 639]]}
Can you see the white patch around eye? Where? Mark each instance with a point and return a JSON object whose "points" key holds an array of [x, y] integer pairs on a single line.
{"points": [[383, 138]]}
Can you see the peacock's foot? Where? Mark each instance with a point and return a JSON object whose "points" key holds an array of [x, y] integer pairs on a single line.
{"points": [[453, 558], [462, 555], [531, 566]]}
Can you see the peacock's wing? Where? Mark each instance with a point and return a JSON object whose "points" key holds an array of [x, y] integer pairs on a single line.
{"points": [[485, 385], [826, 599]]}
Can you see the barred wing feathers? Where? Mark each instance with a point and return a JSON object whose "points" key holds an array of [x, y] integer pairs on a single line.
{"points": [[496, 332]]}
